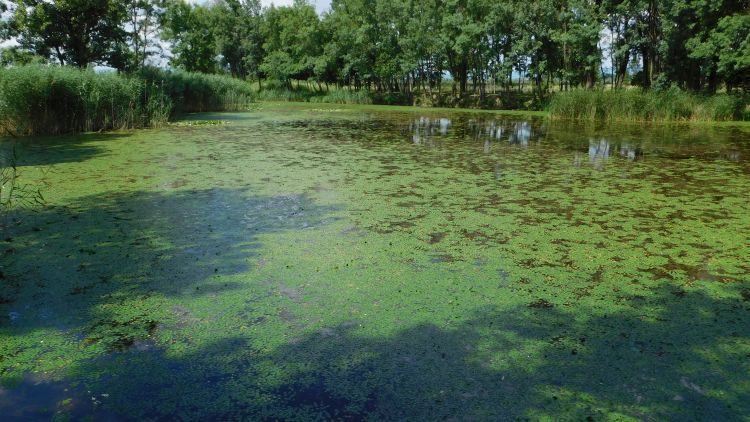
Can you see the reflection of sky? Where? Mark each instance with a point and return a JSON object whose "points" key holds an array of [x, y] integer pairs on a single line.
{"points": [[601, 149], [425, 126], [513, 132], [517, 133]]}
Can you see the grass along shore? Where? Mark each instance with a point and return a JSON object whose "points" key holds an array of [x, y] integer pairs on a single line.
{"points": [[636, 105], [39, 99]]}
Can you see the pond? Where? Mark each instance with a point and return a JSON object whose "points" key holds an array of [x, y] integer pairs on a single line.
{"points": [[333, 262]]}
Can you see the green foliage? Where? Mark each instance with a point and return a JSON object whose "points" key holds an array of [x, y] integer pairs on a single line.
{"points": [[274, 92], [15, 56], [291, 41], [191, 92], [341, 96], [47, 99], [401, 52], [142, 32], [77, 32], [728, 46], [639, 105], [389, 45], [190, 29], [239, 37]]}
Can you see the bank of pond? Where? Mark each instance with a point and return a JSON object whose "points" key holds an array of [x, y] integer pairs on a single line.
{"points": [[43, 99]]}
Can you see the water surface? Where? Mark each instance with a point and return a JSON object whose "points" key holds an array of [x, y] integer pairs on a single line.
{"points": [[345, 263]]}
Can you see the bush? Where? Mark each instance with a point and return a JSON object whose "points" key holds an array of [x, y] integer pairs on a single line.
{"points": [[284, 94], [638, 105]]}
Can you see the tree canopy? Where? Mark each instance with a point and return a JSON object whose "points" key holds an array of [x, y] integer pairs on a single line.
{"points": [[406, 45]]}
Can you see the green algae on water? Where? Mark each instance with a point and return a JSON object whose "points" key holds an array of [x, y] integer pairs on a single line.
{"points": [[379, 264]]}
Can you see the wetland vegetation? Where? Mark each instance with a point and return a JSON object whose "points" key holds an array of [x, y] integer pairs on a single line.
{"points": [[39, 99]]}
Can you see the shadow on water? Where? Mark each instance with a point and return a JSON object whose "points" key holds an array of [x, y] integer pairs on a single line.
{"points": [[64, 267], [688, 362], [43, 151]]}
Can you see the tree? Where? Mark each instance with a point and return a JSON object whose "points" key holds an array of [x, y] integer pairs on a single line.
{"points": [[238, 36], [290, 35], [76, 32], [727, 47], [191, 31], [142, 31]]}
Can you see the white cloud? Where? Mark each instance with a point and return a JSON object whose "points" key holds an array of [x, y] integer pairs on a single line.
{"points": [[320, 5], [8, 43]]}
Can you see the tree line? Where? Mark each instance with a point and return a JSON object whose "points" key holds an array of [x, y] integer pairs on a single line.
{"points": [[403, 45]]}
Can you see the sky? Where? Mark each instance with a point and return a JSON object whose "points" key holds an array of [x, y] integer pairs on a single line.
{"points": [[320, 5]]}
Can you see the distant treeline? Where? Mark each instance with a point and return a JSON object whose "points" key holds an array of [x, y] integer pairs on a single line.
{"points": [[41, 99], [405, 46]]}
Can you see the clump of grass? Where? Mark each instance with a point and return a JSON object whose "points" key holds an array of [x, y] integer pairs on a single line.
{"points": [[639, 105], [12, 193], [39, 99]]}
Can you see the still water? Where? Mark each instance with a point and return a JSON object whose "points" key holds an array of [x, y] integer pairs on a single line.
{"points": [[300, 262]]}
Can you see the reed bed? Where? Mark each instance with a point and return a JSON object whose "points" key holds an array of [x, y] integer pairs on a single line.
{"points": [[41, 99], [640, 105]]}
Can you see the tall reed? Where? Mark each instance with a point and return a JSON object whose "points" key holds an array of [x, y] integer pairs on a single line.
{"points": [[45, 99], [195, 92], [40, 99], [639, 105], [341, 96]]}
